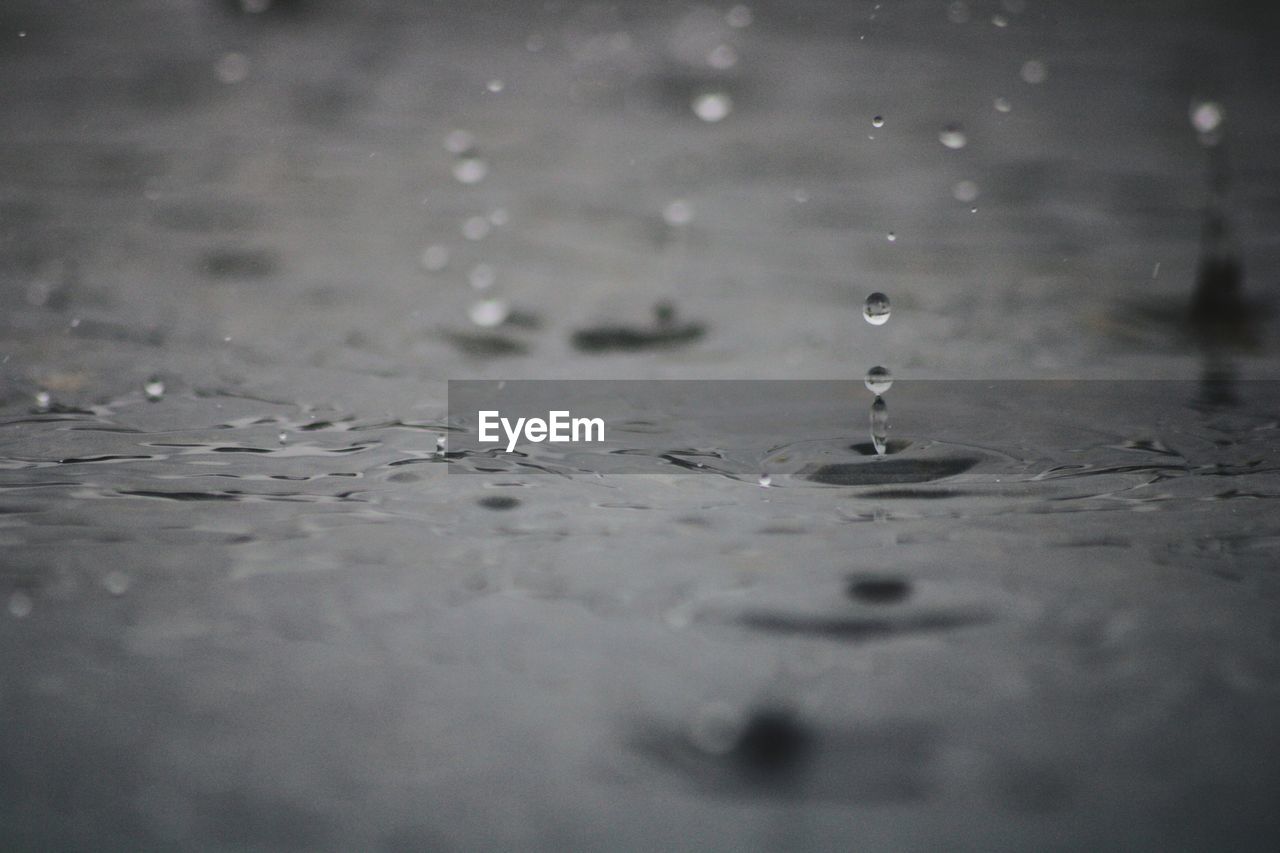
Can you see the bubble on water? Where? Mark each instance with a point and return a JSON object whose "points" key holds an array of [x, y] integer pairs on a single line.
{"points": [[482, 276], [878, 121], [459, 142], [765, 480], [232, 68], [876, 309], [20, 604], [738, 17], [116, 582], [880, 425], [958, 12], [878, 380], [488, 313], [716, 728], [678, 212], [495, 85], [722, 57], [435, 258], [953, 137], [470, 170], [43, 401], [154, 389], [891, 237], [1206, 116], [712, 107], [1034, 71], [499, 217], [965, 191], [476, 228], [1002, 105]]}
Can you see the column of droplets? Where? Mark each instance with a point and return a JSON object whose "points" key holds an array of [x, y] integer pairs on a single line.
{"points": [[878, 379]]}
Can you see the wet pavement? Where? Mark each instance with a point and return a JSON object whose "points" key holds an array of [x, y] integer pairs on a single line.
{"points": [[259, 592]]}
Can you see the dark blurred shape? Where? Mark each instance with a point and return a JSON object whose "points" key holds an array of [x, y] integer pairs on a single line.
{"points": [[666, 331], [486, 345], [499, 502], [879, 590], [886, 471], [239, 263], [773, 744]]}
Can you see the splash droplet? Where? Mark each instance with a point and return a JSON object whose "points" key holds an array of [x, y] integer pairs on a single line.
{"points": [[43, 401], [878, 121], [891, 237], [712, 107], [154, 389], [283, 438], [878, 380], [876, 309], [766, 481], [953, 137], [1002, 105], [488, 313], [880, 425]]}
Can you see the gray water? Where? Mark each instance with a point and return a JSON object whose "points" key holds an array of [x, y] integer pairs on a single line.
{"points": [[264, 607]]}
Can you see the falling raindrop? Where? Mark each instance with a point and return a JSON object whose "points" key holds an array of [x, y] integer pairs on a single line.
{"points": [[488, 313], [1034, 71], [880, 425], [19, 605], [1002, 105], [43, 401], [766, 480], [878, 121], [678, 212], [965, 191], [876, 309], [953, 137], [470, 170], [878, 380], [712, 107], [435, 258], [154, 389], [891, 237]]}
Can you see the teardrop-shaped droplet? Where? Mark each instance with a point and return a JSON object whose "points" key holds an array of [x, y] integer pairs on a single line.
{"points": [[880, 426], [876, 309]]}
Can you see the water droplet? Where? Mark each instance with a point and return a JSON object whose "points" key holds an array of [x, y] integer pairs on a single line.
{"points": [[880, 425], [766, 481], [876, 309], [878, 121], [712, 107], [116, 582], [442, 443], [154, 389], [878, 380], [43, 401], [476, 228], [470, 170], [435, 258], [19, 605], [1034, 71], [891, 237], [1206, 116], [739, 17], [459, 142], [1000, 21], [232, 68], [722, 57], [1002, 105], [965, 191], [495, 86], [678, 212], [953, 137], [489, 312], [482, 276], [283, 438]]}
